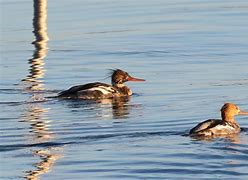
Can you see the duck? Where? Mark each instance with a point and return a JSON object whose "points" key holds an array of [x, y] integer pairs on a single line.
{"points": [[99, 90], [227, 125]]}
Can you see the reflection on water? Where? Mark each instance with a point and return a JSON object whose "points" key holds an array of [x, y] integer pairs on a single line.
{"points": [[115, 139], [36, 116], [120, 107], [115, 108], [234, 138], [48, 158], [40, 43]]}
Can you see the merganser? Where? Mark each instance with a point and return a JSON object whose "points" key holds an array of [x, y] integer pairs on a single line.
{"points": [[216, 127], [98, 90]]}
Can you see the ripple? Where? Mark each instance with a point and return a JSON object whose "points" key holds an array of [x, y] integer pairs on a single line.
{"points": [[189, 72]]}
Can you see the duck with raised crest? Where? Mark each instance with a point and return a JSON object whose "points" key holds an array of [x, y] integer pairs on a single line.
{"points": [[217, 127], [98, 90]]}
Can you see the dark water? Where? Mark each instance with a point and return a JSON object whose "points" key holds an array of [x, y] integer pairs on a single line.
{"points": [[193, 55]]}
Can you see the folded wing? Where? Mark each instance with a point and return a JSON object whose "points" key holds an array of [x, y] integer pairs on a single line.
{"points": [[95, 90]]}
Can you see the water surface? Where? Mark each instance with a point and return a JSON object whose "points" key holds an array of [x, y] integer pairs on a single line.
{"points": [[193, 55]]}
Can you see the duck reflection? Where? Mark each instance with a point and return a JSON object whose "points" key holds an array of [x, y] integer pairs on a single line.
{"points": [[234, 138], [120, 107], [37, 71], [116, 108]]}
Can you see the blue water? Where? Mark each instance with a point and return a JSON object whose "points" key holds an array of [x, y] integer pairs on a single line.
{"points": [[193, 55]]}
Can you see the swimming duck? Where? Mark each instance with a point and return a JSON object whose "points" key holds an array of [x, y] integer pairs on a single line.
{"points": [[98, 90], [225, 126]]}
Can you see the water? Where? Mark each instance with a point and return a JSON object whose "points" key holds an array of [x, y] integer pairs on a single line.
{"points": [[193, 55]]}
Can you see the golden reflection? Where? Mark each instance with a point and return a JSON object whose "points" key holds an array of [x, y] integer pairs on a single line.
{"points": [[48, 158], [35, 114], [40, 133], [37, 71]]}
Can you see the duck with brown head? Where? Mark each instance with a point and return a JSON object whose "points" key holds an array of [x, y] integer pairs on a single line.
{"points": [[98, 90], [217, 127], [118, 79]]}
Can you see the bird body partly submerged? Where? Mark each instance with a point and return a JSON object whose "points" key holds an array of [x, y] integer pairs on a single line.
{"points": [[212, 127], [98, 90], [217, 127]]}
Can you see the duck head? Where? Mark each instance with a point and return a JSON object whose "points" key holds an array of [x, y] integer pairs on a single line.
{"points": [[119, 77], [229, 110]]}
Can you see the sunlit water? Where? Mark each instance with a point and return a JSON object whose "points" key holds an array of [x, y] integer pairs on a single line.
{"points": [[193, 55]]}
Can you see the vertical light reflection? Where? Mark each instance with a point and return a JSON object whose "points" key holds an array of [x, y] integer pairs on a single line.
{"points": [[40, 133], [37, 118], [47, 162], [36, 115], [36, 70]]}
